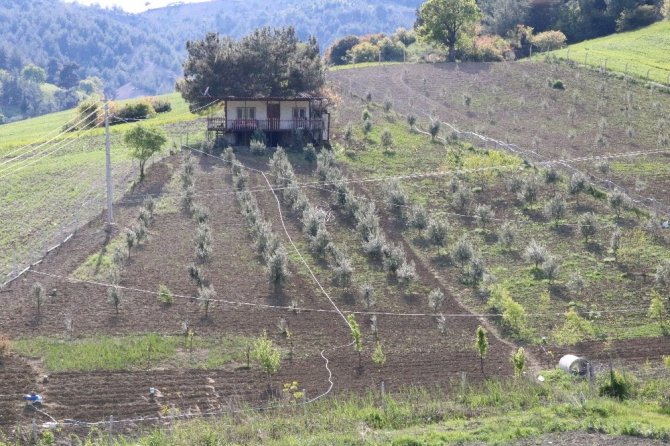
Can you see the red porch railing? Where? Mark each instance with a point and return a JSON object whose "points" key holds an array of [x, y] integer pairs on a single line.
{"points": [[267, 125]]}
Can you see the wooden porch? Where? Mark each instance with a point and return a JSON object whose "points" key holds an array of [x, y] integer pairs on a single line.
{"points": [[224, 125]]}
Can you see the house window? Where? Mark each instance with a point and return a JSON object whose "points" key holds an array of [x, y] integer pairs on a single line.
{"points": [[246, 112], [299, 113]]}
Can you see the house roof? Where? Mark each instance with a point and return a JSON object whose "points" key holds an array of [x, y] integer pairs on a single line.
{"points": [[297, 97]]}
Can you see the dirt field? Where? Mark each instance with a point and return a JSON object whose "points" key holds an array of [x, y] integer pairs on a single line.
{"points": [[416, 353]]}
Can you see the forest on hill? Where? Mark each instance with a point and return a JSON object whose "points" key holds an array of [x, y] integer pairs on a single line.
{"points": [[71, 42]]}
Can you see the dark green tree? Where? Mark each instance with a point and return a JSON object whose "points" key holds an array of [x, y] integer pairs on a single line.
{"points": [[272, 62]]}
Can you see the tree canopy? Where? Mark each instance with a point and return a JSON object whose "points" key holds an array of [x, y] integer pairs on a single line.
{"points": [[445, 21], [269, 62], [144, 142]]}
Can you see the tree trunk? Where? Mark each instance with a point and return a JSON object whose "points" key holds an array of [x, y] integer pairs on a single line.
{"points": [[451, 54], [142, 170]]}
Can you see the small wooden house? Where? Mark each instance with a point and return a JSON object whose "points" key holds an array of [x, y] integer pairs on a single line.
{"points": [[279, 118]]}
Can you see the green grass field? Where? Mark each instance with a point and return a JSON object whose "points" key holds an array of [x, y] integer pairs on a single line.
{"points": [[642, 53], [41, 197]]}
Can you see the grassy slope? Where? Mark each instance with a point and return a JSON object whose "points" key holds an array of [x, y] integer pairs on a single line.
{"points": [[642, 50], [38, 199], [494, 413]]}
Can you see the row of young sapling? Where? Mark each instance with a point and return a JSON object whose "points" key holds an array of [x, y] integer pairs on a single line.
{"points": [[202, 240], [363, 212], [133, 237], [322, 245], [268, 245]]}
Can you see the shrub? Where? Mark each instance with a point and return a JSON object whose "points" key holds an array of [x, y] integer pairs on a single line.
{"points": [[618, 201], [396, 199], [386, 139], [200, 214], [149, 204], [434, 129], [367, 127], [507, 235], [375, 246], [367, 293], [203, 243], [418, 217], [258, 148], [577, 184], [435, 299], [588, 225], [165, 295], [196, 275], [519, 362], [406, 274], [484, 214], [461, 199], [662, 275], [187, 198], [474, 271], [394, 258], [463, 251], [310, 153], [206, 295], [536, 253], [438, 230], [387, 106], [130, 239], [267, 355], [548, 40], [259, 136], [638, 17], [343, 269], [161, 105], [319, 243], [277, 268], [616, 385], [135, 112], [114, 298], [378, 356], [528, 192], [550, 268], [37, 294], [513, 315], [411, 121], [555, 209], [312, 219], [558, 85]]}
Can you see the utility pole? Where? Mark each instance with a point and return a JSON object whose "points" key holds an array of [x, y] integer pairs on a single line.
{"points": [[108, 162]]}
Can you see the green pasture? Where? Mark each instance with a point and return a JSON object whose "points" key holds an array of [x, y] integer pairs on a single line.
{"points": [[642, 53]]}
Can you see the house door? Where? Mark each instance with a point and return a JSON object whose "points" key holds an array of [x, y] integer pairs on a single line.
{"points": [[273, 116]]}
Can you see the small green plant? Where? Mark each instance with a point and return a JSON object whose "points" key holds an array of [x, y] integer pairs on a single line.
{"points": [[436, 299], [257, 147], [519, 362], [378, 356], [206, 295], [356, 335], [657, 308], [463, 251], [434, 129], [37, 293], [267, 355], [411, 121], [536, 253], [367, 127], [115, 298], [367, 293], [482, 345], [617, 385], [437, 233], [555, 209], [386, 139], [165, 296], [588, 225], [292, 392], [558, 85]]}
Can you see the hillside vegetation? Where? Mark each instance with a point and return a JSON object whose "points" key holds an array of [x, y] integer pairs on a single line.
{"points": [[642, 53]]}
